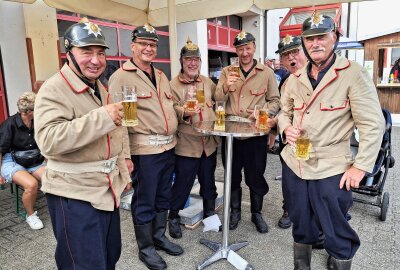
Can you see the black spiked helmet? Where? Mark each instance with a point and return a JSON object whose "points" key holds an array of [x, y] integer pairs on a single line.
{"points": [[83, 34], [243, 38], [318, 24], [190, 49], [288, 43], [146, 31]]}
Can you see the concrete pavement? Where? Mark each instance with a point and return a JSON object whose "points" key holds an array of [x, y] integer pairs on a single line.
{"points": [[22, 248]]}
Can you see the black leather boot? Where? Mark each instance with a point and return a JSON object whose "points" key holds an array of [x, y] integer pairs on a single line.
{"points": [[208, 208], [302, 256], [147, 251], [236, 212], [174, 226], [336, 264], [256, 202], [159, 238]]}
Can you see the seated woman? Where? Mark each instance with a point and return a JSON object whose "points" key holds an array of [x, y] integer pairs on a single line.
{"points": [[17, 136]]}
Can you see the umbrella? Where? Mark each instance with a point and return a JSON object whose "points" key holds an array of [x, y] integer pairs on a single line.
{"points": [[170, 12]]}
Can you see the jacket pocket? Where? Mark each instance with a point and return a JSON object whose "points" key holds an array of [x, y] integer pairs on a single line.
{"points": [[298, 105], [333, 105], [143, 93], [258, 92]]}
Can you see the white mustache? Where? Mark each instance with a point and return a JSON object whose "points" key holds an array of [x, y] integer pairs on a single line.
{"points": [[318, 50]]}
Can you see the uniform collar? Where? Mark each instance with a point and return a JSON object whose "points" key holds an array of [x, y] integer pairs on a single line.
{"points": [[340, 64], [73, 81], [185, 81]]}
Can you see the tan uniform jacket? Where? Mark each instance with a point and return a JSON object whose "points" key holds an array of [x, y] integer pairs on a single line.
{"points": [[155, 110], [345, 97], [72, 126], [192, 143], [259, 88]]}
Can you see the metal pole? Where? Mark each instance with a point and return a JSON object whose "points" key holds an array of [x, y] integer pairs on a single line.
{"points": [[173, 45], [227, 190]]}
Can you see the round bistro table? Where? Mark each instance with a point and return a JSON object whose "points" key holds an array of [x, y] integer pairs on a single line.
{"points": [[233, 129]]}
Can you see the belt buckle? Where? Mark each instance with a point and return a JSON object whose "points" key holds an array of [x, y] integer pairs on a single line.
{"points": [[107, 166]]}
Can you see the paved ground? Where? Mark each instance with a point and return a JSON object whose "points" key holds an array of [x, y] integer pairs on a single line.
{"points": [[21, 248]]}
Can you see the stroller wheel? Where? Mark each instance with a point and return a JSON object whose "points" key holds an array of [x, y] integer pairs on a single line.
{"points": [[391, 162], [384, 206]]}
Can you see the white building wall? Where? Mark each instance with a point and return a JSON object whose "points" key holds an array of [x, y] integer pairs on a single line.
{"points": [[255, 25], [274, 18], [14, 52], [41, 27]]}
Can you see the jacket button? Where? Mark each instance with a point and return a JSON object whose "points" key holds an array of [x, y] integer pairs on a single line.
{"points": [[242, 96], [331, 106], [241, 110], [308, 94], [307, 112]]}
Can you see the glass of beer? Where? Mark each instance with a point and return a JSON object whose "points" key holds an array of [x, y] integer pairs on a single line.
{"points": [[235, 67], [262, 119], [219, 123], [129, 102], [200, 94], [303, 146], [190, 99]]}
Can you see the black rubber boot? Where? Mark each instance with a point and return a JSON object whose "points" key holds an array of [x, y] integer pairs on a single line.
{"points": [[236, 212], [302, 256], [174, 226], [336, 264], [208, 208], [256, 217], [159, 238], [285, 222], [147, 252]]}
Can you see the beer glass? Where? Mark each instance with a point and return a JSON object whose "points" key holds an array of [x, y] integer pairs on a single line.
{"points": [[190, 99], [255, 113], [303, 146], [129, 102], [235, 67], [219, 123], [262, 119], [200, 94]]}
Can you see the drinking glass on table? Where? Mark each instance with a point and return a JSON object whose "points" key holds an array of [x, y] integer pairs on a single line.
{"points": [[219, 123]]}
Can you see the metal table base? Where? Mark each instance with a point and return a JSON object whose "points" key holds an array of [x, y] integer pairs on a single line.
{"points": [[223, 250]]}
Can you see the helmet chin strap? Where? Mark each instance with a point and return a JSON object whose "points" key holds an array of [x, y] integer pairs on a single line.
{"points": [[83, 77], [326, 60]]}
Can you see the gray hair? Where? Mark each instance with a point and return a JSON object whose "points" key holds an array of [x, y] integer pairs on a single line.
{"points": [[26, 102]]}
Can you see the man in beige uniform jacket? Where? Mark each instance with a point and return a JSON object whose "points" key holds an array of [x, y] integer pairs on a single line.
{"points": [[327, 98], [152, 144], [256, 85], [195, 154], [77, 128]]}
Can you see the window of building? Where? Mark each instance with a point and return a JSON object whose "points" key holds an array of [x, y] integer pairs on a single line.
{"points": [[235, 22], [118, 37]]}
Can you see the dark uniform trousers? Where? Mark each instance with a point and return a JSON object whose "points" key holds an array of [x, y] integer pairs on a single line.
{"points": [[186, 169], [320, 203], [87, 238], [250, 154], [153, 186]]}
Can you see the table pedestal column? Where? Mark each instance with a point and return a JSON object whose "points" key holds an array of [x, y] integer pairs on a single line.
{"points": [[224, 250]]}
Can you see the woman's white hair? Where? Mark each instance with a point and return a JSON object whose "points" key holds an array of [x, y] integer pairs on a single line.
{"points": [[26, 102]]}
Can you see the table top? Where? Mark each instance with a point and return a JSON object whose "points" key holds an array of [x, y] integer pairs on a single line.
{"points": [[232, 128]]}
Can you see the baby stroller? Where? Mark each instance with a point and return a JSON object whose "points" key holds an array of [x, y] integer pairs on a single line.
{"points": [[373, 183]]}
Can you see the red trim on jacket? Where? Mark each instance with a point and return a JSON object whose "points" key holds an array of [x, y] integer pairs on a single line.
{"points": [[334, 109], [323, 88], [159, 100], [70, 85]]}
